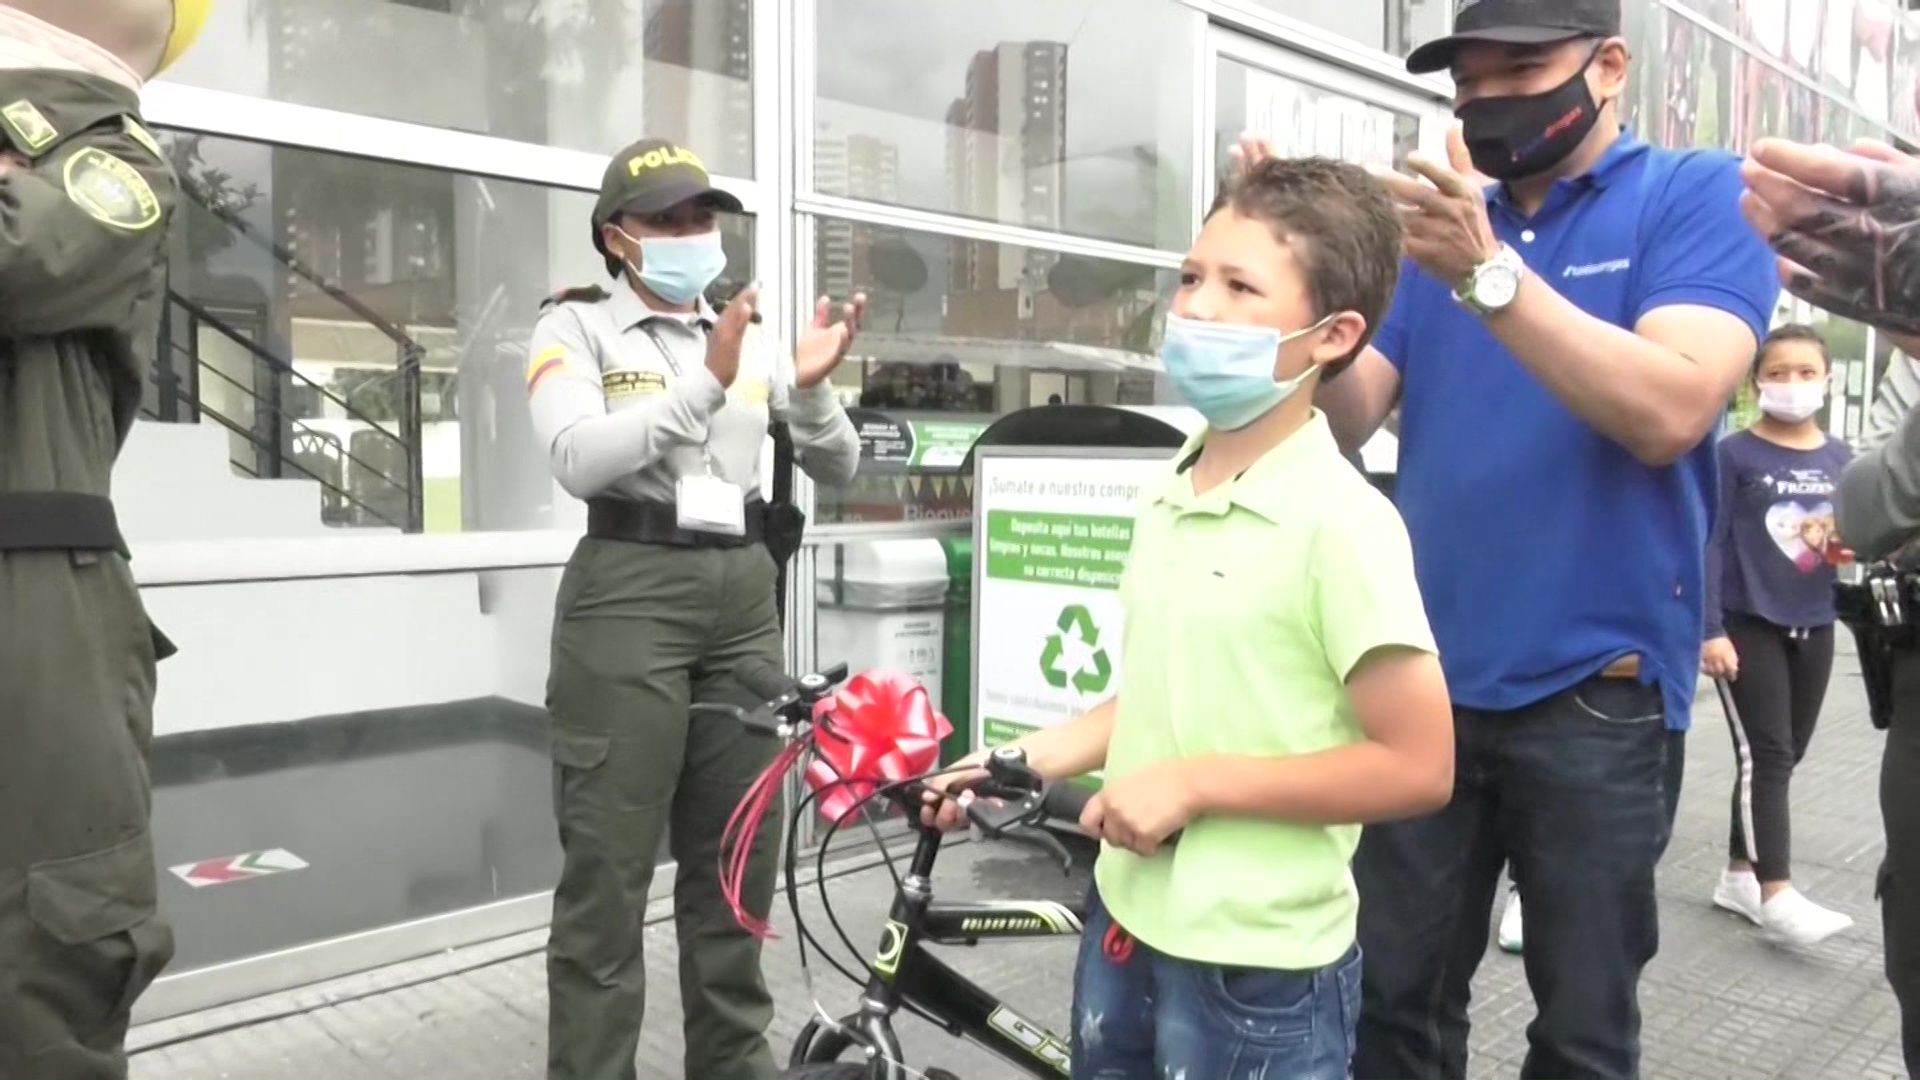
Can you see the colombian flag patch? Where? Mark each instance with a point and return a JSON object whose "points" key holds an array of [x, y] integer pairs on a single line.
{"points": [[543, 365]]}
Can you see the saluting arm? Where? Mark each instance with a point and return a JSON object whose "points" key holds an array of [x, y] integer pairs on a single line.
{"points": [[82, 233], [588, 448]]}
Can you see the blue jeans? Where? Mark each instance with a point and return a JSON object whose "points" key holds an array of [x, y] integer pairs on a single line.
{"points": [[1140, 1013], [1572, 792]]}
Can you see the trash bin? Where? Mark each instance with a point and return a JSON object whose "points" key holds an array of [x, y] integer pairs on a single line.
{"points": [[882, 604], [957, 679]]}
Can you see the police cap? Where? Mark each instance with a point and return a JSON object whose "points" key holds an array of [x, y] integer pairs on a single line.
{"points": [[654, 175]]}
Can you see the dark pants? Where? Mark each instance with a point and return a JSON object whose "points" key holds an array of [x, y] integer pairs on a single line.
{"points": [[1676, 775], [80, 934], [640, 632], [1771, 709], [1899, 885], [1570, 791], [1139, 1012]]}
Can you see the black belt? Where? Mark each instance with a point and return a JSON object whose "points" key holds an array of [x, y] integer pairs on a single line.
{"points": [[659, 523], [58, 521]]}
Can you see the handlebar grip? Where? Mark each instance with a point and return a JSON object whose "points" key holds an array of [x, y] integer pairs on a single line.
{"points": [[764, 680], [1065, 802]]}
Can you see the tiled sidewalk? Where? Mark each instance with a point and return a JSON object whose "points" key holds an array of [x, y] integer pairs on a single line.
{"points": [[1718, 1001]]}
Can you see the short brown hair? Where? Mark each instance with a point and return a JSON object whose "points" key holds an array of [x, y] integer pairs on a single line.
{"points": [[1341, 224], [1780, 335]]}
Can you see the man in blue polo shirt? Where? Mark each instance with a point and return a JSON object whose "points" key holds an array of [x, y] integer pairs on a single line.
{"points": [[1563, 344]]}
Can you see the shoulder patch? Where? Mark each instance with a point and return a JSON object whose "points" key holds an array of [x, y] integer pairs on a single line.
{"points": [[28, 126], [552, 359], [584, 294], [110, 190], [138, 133]]}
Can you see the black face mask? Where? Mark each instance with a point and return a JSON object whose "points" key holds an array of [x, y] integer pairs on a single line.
{"points": [[1526, 134]]}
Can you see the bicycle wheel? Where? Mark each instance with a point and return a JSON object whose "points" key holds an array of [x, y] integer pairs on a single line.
{"points": [[832, 1070]]}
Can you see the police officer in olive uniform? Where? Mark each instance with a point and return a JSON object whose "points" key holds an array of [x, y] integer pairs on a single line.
{"points": [[1846, 224], [85, 201], [654, 409]]}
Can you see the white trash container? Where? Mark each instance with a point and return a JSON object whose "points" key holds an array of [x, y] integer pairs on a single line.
{"points": [[882, 604]]}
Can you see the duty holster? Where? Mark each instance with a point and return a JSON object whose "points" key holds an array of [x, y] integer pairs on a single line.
{"points": [[786, 524], [1879, 606]]}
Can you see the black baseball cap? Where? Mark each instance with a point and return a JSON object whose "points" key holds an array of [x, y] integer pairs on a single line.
{"points": [[654, 175], [1517, 22]]}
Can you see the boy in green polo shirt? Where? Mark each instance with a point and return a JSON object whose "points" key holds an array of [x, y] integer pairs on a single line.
{"points": [[1280, 685]]}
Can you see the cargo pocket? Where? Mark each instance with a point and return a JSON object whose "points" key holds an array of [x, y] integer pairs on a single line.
{"points": [[102, 907], [576, 758]]}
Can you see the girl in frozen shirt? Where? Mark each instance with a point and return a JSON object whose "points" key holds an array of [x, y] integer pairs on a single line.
{"points": [[1769, 622]]}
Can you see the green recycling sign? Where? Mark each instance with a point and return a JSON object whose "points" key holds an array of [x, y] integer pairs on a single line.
{"points": [[1073, 656], [1053, 533]]}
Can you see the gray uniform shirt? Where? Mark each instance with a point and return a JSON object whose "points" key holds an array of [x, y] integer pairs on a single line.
{"points": [[1877, 506], [618, 415]]}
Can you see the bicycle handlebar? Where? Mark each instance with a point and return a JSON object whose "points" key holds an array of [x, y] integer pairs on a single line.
{"points": [[765, 681], [1065, 802]]}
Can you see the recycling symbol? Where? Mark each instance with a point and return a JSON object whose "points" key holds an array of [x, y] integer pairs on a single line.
{"points": [[1073, 656]]}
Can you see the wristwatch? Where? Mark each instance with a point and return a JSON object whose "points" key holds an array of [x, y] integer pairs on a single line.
{"points": [[1493, 284]]}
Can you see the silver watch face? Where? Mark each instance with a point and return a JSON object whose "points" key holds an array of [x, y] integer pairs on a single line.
{"points": [[1496, 285]]}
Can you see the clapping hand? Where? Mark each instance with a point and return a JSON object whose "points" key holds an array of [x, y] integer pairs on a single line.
{"points": [[825, 343], [1846, 226]]}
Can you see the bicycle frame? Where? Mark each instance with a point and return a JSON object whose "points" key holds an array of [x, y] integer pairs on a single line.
{"points": [[905, 974]]}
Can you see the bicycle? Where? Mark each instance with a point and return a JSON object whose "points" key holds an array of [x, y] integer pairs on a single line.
{"points": [[904, 973]]}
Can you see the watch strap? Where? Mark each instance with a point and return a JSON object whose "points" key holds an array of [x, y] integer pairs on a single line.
{"points": [[1467, 292]]}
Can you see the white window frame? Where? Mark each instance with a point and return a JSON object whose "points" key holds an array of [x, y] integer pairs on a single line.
{"points": [[308, 127]]}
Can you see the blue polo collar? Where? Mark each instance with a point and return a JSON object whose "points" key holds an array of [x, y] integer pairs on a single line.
{"points": [[1625, 150]]}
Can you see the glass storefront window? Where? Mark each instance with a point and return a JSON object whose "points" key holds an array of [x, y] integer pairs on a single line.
{"points": [[363, 326], [1867, 52], [1397, 26], [901, 605], [1069, 117], [1303, 118], [959, 332], [556, 72]]}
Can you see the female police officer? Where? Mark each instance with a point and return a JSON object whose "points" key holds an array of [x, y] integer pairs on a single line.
{"points": [[654, 410]]}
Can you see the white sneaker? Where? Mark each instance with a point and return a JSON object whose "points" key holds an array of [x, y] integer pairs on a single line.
{"points": [[1510, 928], [1796, 920], [1739, 892]]}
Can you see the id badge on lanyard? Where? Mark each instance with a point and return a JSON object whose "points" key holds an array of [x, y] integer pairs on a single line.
{"points": [[704, 503], [711, 505]]}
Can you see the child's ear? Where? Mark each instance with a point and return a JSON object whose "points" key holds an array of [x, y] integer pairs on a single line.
{"points": [[1340, 338]]}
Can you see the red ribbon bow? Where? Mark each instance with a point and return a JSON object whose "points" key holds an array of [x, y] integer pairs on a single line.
{"points": [[884, 729]]}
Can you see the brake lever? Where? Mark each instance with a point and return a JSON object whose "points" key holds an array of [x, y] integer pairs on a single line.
{"points": [[1013, 823], [1042, 841], [994, 812], [759, 721]]}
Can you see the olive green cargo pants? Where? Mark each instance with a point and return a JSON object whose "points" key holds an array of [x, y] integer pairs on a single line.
{"points": [[640, 632], [80, 937]]}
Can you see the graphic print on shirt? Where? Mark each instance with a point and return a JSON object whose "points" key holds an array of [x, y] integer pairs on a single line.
{"points": [[1801, 517]]}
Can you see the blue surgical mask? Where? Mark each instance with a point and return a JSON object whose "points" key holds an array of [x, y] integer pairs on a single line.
{"points": [[1225, 370], [678, 269]]}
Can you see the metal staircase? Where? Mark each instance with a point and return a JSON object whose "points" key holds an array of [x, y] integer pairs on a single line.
{"points": [[285, 425]]}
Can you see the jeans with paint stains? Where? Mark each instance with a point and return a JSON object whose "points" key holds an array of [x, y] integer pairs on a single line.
{"points": [[1138, 1013]]}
